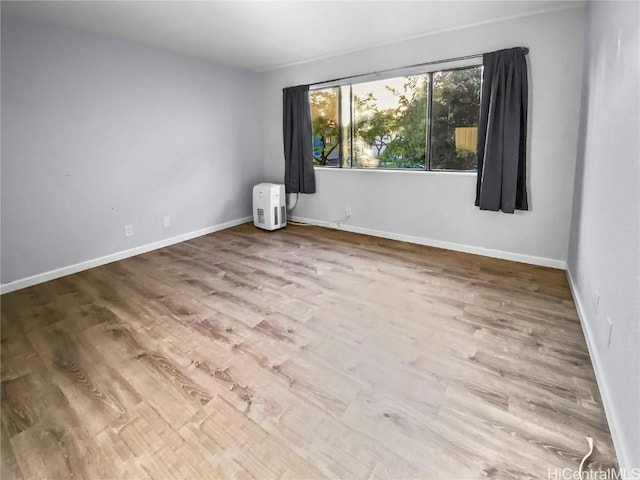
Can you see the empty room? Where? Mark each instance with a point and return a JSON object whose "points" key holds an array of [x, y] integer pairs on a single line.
{"points": [[320, 239]]}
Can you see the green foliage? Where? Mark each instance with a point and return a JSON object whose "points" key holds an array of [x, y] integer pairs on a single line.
{"points": [[407, 149], [456, 99], [324, 122], [398, 136], [373, 126]]}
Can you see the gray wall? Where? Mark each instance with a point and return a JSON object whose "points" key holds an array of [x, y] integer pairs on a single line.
{"points": [[98, 133], [440, 206], [604, 251]]}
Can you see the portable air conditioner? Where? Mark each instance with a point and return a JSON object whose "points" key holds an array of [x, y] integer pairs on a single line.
{"points": [[269, 206]]}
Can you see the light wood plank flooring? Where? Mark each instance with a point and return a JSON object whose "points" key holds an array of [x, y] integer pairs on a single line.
{"points": [[301, 353]]}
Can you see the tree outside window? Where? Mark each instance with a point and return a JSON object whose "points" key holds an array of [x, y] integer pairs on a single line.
{"points": [[423, 122]]}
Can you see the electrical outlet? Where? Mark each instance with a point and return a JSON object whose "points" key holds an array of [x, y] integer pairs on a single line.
{"points": [[348, 211], [166, 221], [128, 230], [596, 303], [610, 325]]}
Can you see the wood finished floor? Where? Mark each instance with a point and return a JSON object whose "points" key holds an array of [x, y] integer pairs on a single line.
{"points": [[301, 353]]}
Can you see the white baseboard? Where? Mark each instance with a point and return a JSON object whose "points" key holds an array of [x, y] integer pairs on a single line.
{"points": [[459, 247], [625, 457], [113, 257]]}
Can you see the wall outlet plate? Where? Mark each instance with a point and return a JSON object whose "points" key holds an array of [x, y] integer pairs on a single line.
{"points": [[166, 221], [128, 230]]}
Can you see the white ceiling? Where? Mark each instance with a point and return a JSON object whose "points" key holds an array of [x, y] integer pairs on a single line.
{"points": [[262, 35]]}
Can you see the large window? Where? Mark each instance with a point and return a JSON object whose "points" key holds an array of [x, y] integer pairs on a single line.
{"points": [[423, 122]]}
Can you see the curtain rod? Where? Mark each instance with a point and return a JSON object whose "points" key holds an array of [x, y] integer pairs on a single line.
{"points": [[456, 59]]}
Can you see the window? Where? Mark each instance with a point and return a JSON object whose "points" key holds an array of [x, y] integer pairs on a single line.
{"points": [[427, 121]]}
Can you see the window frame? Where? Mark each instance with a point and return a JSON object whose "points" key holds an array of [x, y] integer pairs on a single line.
{"points": [[428, 70]]}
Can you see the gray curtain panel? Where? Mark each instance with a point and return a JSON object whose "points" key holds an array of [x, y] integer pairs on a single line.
{"points": [[299, 175], [502, 133]]}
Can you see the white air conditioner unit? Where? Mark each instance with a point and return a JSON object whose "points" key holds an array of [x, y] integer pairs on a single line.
{"points": [[269, 206]]}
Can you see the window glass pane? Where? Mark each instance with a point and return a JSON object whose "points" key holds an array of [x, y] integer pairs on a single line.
{"points": [[454, 129], [345, 118], [324, 121], [389, 123]]}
